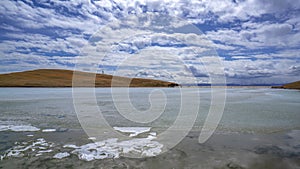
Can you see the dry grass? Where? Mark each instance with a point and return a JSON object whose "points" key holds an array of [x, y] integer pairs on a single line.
{"points": [[63, 78], [294, 85]]}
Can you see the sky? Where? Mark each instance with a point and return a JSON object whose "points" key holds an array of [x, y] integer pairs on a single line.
{"points": [[246, 41]]}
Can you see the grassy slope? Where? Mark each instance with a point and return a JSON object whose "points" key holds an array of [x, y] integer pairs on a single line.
{"points": [[63, 78], [294, 85]]}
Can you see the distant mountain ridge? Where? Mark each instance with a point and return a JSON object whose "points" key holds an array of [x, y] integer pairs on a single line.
{"points": [[63, 78], [293, 85]]}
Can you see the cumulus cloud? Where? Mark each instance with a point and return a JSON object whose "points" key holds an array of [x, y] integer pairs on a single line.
{"points": [[258, 35], [260, 71], [295, 69], [255, 39]]}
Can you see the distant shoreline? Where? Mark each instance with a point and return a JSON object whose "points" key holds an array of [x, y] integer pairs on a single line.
{"points": [[135, 87]]}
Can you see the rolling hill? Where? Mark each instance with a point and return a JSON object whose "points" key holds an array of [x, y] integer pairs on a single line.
{"points": [[63, 78], [293, 85]]}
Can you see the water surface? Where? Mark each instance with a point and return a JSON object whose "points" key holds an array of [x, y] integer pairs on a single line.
{"points": [[259, 129]]}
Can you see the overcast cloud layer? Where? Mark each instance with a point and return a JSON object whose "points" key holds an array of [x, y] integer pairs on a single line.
{"points": [[258, 41]]}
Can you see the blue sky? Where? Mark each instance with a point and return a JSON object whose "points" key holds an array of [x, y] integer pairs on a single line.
{"points": [[257, 41]]}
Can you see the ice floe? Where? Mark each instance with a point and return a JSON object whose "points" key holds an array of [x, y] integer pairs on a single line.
{"points": [[109, 148], [134, 131], [70, 146], [61, 155], [112, 148], [18, 128], [294, 134], [153, 133], [40, 146], [23, 128], [48, 130], [92, 138]]}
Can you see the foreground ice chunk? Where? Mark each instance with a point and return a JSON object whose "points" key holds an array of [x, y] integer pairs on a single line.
{"points": [[92, 138], [61, 155], [4, 127], [70, 146], [109, 148], [40, 146], [112, 148]]}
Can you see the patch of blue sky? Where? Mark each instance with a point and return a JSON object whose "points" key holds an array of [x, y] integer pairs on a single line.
{"points": [[269, 18], [9, 61], [41, 52], [110, 68], [61, 9], [245, 51], [65, 64]]}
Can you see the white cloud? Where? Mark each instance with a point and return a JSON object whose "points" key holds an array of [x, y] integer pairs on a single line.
{"points": [[54, 28], [258, 35], [42, 43], [261, 71]]}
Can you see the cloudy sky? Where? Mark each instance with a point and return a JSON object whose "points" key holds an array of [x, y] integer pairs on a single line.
{"points": [[252, 41]]}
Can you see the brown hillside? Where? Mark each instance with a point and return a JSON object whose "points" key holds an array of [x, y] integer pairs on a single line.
{"points": [[294, 85], [63, 78]]}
